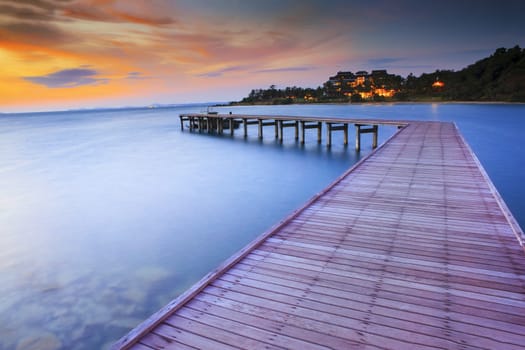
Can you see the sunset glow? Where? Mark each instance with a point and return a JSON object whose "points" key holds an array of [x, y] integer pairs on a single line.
{"points": [[60, 54]]}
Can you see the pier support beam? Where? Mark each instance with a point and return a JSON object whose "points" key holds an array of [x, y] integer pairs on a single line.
{"points": [[328, 134], [220, 126], [360, 130], [288, 124], [262, 123], [314, 125], [334, 127], [247, 122]]}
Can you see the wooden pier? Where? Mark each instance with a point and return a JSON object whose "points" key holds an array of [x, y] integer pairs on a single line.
{"points": [[216, 123], [411, 248]]}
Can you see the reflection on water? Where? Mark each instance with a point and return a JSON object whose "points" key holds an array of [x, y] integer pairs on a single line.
{"points": [[107, 216]]}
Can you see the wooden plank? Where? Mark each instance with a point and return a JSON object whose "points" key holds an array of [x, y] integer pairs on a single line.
{"points": [[181, 334], [408, 293], [154, 341], [361, 290], [143, 347], [383, 306], [275, 322], [245, 334], [326, 321], [395, 328]]}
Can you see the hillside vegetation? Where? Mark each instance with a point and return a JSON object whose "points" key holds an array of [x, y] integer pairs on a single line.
{"points": [[499, 77]]}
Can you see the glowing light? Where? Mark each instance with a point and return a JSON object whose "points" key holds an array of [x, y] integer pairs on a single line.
{"points": [[438, 84]]}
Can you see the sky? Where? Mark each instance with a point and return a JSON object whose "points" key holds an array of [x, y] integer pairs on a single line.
{"points": [[69, 54]]}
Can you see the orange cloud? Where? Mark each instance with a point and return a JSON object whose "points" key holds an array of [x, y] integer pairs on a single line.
{"points": [[115, 11], [115, 38]]}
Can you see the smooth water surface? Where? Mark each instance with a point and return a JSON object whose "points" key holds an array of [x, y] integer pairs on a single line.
{"points": [[105, 216]]}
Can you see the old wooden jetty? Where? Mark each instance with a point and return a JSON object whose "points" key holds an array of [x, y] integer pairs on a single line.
{"points": [[411, 248], [218, 123]]}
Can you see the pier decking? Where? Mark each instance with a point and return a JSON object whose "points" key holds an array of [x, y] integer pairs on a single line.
{"points": [[412, 248]]}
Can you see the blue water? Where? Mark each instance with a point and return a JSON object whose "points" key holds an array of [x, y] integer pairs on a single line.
{"points": [[105, 216]]}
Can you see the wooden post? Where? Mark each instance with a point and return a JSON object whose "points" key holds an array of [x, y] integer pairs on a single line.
{"points": [[276, 127], [374, 139], [328, 134], [302, 132], [260, 128], [357, 137], [245, 125], [345, 130], [319, 127], [296, 129], [181, 123], [231, 126], [280, 122]]}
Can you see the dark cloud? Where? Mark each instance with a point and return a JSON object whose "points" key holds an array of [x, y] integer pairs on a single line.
{"points": [[33, 22], [68, 78], [134, 75], [26, 10], [384, 61], [35, 33], [220, 72], [95, 11], [91, 10], [137, 76], [25, 13]]}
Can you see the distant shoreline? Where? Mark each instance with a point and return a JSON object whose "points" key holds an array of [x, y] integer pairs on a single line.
{"points": [[235, 104]]}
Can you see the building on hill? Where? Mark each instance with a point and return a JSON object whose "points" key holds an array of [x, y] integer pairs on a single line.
{"points": [[367, 86]]}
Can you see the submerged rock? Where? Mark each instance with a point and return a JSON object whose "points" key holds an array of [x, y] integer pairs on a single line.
{"points": [[151, 274], [136, 295], [126, 322], [44, 341]]}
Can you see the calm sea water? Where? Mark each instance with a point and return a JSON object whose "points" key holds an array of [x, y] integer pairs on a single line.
{"points": [[106, 216]]}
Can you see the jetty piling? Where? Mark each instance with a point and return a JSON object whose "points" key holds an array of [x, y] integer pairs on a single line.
{"points": [[265, 122], [311, 125], [359, 129], [218, 122], [288, 124], [247, 122], [335, 127]]}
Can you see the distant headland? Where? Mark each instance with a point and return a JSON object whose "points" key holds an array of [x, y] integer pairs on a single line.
{"points": [[497, 78]]}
